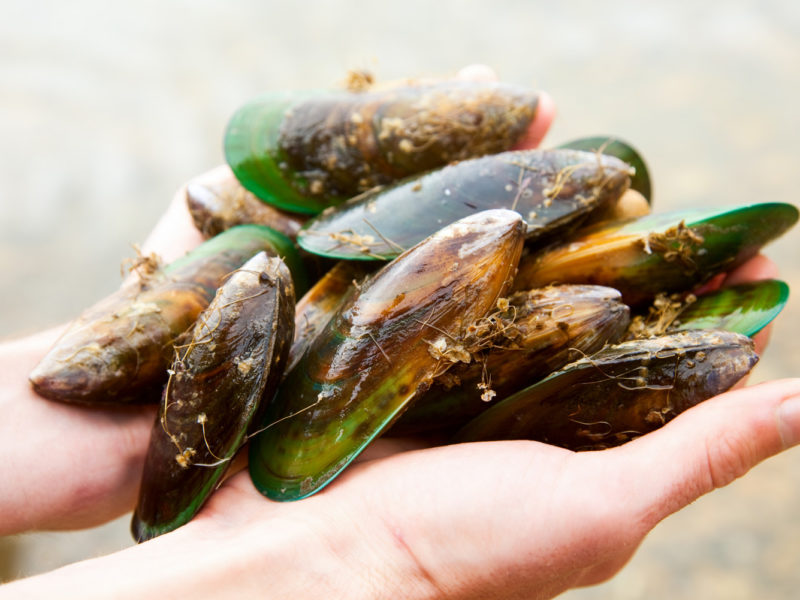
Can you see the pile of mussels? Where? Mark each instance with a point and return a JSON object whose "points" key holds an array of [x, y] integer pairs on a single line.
{"points": [[462, 288]]}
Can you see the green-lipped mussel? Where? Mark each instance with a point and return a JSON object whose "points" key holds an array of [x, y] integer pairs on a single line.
{"points": [[553, 190], [223, 377], [745, 308], [119, 349], [536, 332], [305, 151], [659, 253], [380, 350], [619, 393]]}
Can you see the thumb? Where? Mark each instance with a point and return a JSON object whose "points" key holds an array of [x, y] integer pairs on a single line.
{"points": [[710, 445]]}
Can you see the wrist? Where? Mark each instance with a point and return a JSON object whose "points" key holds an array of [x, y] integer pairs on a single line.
{"points": [[287, 554]]}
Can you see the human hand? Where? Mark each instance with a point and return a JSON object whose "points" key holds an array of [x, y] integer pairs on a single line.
{"points": [[440, 522], [514, 519]]}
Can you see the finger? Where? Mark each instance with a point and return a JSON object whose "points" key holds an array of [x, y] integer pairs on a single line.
{"points": [[707, 447], [545, 113], [477, 72], [757, 268], [761, 339], [175, 233]]}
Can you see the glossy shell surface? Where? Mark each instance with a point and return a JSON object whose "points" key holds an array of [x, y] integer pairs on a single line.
{"points": [[380, 350], [553, 190], [119, 349], [621, 392], [222, 379]]}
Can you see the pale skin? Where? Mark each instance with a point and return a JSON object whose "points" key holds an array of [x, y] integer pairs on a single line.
{"points": [[512, 519]]}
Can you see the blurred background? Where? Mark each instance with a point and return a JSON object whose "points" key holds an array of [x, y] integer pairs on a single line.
{"points": [[105, 111]]}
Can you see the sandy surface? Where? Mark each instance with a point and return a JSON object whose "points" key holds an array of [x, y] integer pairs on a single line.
{"points": [[105, 112]]}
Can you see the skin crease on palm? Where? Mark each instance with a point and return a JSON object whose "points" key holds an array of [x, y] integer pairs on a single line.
{"points": [[513, 519]]}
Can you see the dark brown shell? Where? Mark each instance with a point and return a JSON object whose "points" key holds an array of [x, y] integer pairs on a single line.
{"points": [[380, 351], [621, 392], [219, 385], [118, 350], [217, 202], [538, 332]]}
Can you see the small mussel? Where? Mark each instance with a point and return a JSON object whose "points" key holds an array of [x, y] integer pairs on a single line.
{"points": [[305, 151], [531, 335], [223, 377], [668, 252], [613, 146], [553, 190], [118, 350], [217, 202], [621, 392], [374, 356]]}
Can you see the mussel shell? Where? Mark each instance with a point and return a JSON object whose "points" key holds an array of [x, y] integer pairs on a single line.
{"points": [[118, 350], [553, 190], [305, 151], [619, 393], [745, 308], [613, 146], [375, 355], [541, 331], [668, 252], [217, 202], [220, 383]]}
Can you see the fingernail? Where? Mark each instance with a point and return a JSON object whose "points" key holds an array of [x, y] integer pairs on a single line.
{"points": [[789, 421]]}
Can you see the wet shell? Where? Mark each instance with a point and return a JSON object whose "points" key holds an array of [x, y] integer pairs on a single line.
{"points": [[538, 332], [224, 376], [305, 151], [553, 190], [382, 348], [621, 392], [613, 146], [118, 350]]}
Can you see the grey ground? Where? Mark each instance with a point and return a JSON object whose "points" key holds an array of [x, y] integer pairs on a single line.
{"points": [[105, 109]]}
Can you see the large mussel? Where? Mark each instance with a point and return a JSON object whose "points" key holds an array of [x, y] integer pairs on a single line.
{"points": [[305, 151], [553, 190], [381, 349], [661, 252], [621, 392], [119, 349]]}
